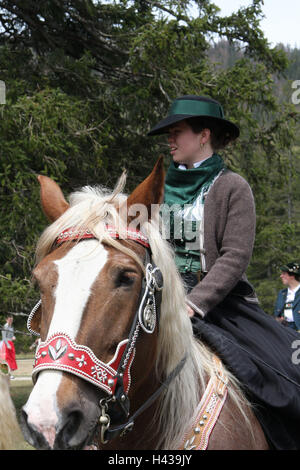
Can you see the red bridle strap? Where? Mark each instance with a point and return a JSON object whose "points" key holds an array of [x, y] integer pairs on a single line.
{"points": [[130, 234], [60, 352]]}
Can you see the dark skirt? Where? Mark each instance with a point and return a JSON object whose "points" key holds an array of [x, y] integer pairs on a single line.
{"points": [[264, 356]]}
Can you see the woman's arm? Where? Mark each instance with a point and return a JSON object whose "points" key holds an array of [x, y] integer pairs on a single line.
{"points": [[229, 225]]}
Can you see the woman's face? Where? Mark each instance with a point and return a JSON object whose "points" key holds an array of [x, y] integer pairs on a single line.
{"points": [[185, 145]]}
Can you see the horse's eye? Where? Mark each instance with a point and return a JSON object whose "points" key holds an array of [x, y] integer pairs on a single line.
{"points": [[124, 279]]}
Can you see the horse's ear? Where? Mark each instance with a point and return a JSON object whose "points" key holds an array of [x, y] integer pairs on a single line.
{"points": [[52, 198], [151, 191]]}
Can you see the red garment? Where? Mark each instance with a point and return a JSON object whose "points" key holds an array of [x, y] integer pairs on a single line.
{"points": [[2, 351], [10, 355]]}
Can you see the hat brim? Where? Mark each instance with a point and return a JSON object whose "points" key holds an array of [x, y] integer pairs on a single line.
{"points": [[163, 125], [286, 269]]}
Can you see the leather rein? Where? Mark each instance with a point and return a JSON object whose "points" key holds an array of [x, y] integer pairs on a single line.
{"points": [[60, 352]]}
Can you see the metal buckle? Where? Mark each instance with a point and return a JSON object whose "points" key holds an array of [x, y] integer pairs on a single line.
{"points": [[127, 429], [104, 420]]}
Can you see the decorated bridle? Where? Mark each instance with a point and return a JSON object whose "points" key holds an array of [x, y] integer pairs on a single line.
{"points": [[60, 352]]}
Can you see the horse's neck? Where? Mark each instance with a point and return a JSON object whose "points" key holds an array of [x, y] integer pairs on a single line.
{"points": [[145, 433], [142, 437]]}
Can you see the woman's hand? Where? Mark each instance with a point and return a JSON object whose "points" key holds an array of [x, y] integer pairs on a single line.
{"points": [[190, 311]]}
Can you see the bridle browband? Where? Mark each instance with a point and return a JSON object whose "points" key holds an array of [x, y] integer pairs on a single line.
{"points": [[60, 352]]}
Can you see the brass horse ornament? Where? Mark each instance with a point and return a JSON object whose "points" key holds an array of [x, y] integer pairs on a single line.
{"points": [[117, 366]]}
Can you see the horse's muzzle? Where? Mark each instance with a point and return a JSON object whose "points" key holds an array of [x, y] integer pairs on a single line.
{"points": [[66, 419], [72, 431]]}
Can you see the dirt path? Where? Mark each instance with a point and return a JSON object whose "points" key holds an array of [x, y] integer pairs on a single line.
{"points": [[23, 373]]}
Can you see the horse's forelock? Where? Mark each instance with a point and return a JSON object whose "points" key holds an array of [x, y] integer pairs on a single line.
{"points": [[90, 208]]}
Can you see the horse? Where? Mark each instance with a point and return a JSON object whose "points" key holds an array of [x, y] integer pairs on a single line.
{"points": [[9, 426], [117, 366]]}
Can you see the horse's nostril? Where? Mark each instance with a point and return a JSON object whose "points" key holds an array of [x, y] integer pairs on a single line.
{"points": [[70, 433], [68, 436], [74, 420]]}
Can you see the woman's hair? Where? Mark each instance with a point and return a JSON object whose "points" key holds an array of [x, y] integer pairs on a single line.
{"points": [[296, 276], [219, 137]]}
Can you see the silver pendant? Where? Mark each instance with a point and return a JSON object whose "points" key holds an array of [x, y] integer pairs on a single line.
{"points": [[149, 317]]}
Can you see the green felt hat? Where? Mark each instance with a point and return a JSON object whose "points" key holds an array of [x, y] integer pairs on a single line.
{"points": [[291, 268], [189, 106]]}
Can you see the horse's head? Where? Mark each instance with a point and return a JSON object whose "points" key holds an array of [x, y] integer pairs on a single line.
{"points": [[97, 318]]}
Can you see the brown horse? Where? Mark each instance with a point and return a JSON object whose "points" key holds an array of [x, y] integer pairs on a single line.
{"points": [[118, 366]]}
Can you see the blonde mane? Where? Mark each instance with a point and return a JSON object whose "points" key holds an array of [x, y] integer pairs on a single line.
{"points": [[93, 208]]}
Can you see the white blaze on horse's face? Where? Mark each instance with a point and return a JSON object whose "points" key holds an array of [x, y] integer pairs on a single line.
{"points": [[77, 271]]}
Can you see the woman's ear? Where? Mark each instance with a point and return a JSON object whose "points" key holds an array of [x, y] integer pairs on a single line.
{"points": [[205, 136]]}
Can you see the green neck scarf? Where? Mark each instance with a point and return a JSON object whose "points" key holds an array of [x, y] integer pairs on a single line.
{"points": [[184, 186]]}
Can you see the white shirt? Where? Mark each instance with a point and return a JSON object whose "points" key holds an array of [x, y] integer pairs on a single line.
{"points": [[288, 310], [195, 165]]}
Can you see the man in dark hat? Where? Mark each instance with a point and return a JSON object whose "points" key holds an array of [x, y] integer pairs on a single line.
{"points": [[287, 307]]}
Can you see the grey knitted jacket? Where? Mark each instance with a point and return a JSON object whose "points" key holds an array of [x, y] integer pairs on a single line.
{"points": [[229, 233]]}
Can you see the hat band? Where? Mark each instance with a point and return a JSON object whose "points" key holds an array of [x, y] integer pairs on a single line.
{"points": [[196, 108]]}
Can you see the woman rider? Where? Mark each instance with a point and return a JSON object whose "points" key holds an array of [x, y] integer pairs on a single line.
{"points": [[209, 213]]}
